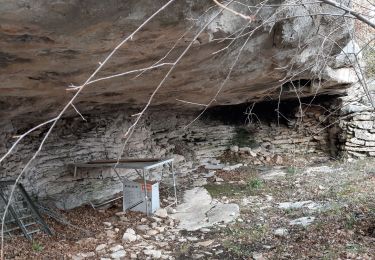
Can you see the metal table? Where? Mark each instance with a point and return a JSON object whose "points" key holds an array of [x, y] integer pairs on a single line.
{"points": [[142, 165]]}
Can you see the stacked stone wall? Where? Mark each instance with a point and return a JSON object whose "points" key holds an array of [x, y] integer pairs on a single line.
{"points": [[357, 123]]}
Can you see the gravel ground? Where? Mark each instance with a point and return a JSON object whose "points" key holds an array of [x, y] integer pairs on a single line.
{"points": [[324, 211]]}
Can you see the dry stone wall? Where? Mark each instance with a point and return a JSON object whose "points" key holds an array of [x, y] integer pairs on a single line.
{"points": [[357, 123], [306, 134], [162, 133]]}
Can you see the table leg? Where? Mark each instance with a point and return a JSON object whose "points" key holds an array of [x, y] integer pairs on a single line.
{"points": [[174, 183], [145, 187]]}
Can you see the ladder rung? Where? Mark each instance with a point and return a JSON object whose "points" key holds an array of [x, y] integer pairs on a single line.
{"points": [[17, 227], [21, 218], [20, 209], [12, 229], [33, 231], [28, 224]]}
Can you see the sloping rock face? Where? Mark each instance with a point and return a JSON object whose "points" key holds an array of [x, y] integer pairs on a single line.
{"points": [[48, 45]]}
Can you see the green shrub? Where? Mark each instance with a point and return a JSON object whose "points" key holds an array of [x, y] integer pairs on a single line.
{"points": [[37, 247]]}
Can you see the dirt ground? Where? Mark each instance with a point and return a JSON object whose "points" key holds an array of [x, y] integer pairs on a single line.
{"points": [[324, 211]]}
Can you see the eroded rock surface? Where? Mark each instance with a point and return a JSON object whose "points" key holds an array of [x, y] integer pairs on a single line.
{"points": [[199, 210], [48, 45]]}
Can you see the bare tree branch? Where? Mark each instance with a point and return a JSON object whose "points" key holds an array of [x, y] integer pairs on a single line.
{"points": [[350, 11], [251, 18]]}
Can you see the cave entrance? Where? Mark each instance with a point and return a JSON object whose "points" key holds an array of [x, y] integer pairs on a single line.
{"points": [[287, 128], [271, 111]]}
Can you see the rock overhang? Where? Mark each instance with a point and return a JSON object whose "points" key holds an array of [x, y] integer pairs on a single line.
{"points": [[48, 45]]}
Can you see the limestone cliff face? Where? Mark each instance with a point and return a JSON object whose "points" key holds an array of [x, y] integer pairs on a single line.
{"points": [[46, 45]]}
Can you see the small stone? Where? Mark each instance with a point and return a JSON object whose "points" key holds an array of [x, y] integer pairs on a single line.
{"points": [[200, 182], [279, 159], [161, 213], [152, 232], [205, 243], [234, 149], [160, 229], [155, 254], [204, 230], [149, 247], [192, 239], [118, 254], [116, 248], [232, 167], [128, 237], [133, 256], [163, 244], [217, 179], [209, 174], [130, 231], [258, 256], [304, 221], [245, 150], [154, 225], [281, 232], [107, 224], [143, 227], [156, 219], [100, 247], [124, 219], [143, 220], [171, 223], [85, 255], [171, 210]]}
